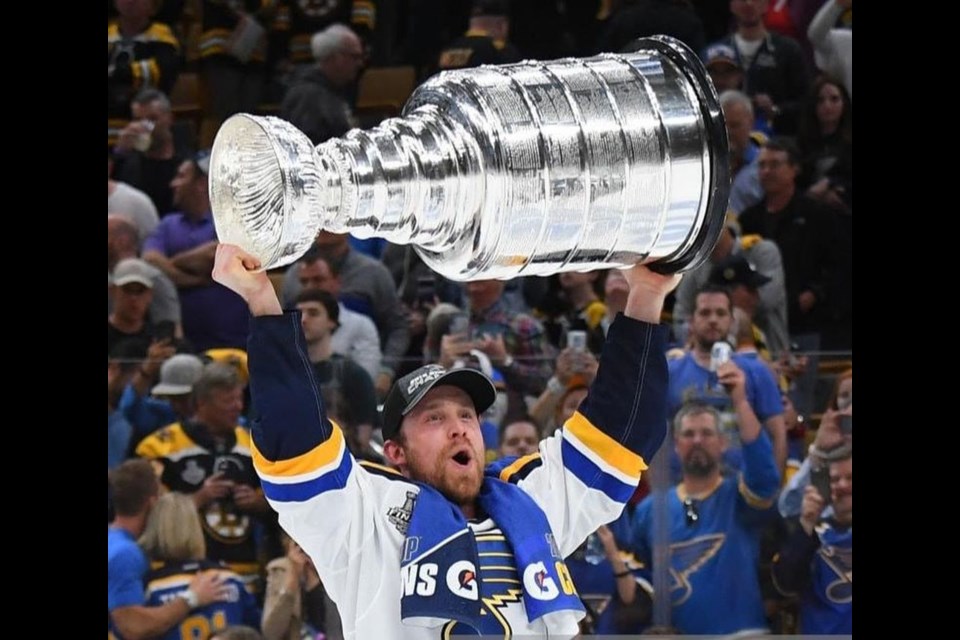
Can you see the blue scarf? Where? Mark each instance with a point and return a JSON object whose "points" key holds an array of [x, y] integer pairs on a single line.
{"points": [[439, 568]]}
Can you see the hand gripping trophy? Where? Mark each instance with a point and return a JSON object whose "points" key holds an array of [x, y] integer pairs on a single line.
{"points": [[499, 171]]}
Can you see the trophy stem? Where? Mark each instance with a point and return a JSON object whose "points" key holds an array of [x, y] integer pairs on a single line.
{"points": [[413, 180]]}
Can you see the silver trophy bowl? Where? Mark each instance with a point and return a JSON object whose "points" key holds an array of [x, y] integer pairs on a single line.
{"points": [[499, 171]]}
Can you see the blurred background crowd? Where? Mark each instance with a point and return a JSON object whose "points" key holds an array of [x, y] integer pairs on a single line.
{"points": [[758, 529]]}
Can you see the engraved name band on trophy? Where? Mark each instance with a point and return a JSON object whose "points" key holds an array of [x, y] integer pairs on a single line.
{"points": [[499, 171]]}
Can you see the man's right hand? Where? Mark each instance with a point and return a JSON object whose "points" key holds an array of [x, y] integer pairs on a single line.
{"points": [[240, 272]]}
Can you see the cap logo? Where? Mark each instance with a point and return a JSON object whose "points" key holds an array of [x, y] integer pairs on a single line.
{"points": [[423, 378]]}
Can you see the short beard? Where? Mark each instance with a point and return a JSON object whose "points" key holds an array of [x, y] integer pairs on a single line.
{"points": [[460, 489], [699, 466]]}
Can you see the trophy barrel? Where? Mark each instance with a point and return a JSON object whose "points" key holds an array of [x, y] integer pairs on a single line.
{"points": [[500, 171]]}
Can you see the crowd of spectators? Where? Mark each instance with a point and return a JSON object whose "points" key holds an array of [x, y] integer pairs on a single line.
{"points": [[758, 497]]}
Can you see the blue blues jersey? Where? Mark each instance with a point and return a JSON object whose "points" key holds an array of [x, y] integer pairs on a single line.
{"points": [[715, 556], [169, 580], [819, 568], [689, 381]]}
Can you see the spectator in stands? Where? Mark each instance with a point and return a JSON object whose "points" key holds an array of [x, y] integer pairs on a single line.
{"points": [[572, 302], [743, 281], [141, 54], [486, 39], [764, 258], [816, 561], [132, 290], [134, 491], [183, 247], [122, 361], [643, 18], [572, 370], [365, 287], [775, 74], [297, 22], [208, 456], [355, 336], [295, 598], [149, 404], [805, 232], [173, 541], [825, 143], [691, 379], [715, 522], [150, 149], [316, 102], [826, 152], [519, 438], [611, 585], [745, 141], [515, 342], [833, 47], [132, 203], [335, 374], [122, 244], [829, 439]]}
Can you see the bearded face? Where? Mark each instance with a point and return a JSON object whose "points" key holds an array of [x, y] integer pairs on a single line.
{"points": [[441, 444]]}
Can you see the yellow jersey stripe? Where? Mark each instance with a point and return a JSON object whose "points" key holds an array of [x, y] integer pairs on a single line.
{"points": [[318, 457], [753, 499], [608, 449]]}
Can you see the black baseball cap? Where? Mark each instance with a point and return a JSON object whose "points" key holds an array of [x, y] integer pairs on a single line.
{"points": [[736, 269], [410, 389]]}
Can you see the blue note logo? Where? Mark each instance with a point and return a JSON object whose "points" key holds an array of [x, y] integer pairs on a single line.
{"points": [[687, 558]]}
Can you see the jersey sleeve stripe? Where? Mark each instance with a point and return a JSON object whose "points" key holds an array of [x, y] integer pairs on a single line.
{"points": [[608, 449], [751, 498], [521, 467], [323, 455], [303, 491], [592, 475]]}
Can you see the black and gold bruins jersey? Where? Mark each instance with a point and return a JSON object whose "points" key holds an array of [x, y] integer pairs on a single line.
{"points": [[298, 20], [149, 59], [186, 456]]}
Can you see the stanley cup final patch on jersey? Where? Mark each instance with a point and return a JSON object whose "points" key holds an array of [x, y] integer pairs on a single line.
{"points": [[400, 516]]}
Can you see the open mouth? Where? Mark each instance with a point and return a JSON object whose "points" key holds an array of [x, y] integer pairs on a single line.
{"points": [[462, 458]]}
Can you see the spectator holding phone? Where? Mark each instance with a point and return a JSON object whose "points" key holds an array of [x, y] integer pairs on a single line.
{"points": [[816, 560], [835, 430]]}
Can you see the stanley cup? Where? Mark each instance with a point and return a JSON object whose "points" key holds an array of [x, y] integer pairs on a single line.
{"points": [[499, 171]]}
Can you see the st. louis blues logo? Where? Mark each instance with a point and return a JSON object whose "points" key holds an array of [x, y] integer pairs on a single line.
{"points": [[840, 563], [687, 558]]}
